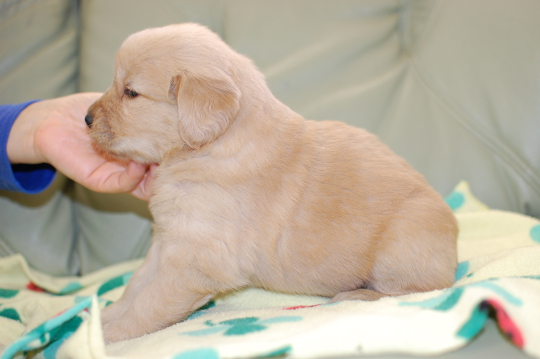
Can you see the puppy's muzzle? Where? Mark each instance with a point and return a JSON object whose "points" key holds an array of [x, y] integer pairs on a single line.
{"points": [[89, 118]]}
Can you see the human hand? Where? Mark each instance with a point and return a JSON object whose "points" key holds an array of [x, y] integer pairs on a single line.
{"points": [[53, 131]]}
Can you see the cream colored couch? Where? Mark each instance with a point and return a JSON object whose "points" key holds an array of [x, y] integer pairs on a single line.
{"points": [[451, 85]]}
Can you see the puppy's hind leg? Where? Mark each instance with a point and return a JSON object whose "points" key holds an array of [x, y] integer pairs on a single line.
{"points": [[418, 251], [358, 294]]}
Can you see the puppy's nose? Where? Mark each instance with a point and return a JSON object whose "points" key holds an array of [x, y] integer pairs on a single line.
{"points": [[89, 119]]}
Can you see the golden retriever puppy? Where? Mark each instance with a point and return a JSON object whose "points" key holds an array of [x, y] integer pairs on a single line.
{"points": [[249, 193]]}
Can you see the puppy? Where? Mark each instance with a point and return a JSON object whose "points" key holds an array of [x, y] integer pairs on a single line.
{"points": [[248, 193]]}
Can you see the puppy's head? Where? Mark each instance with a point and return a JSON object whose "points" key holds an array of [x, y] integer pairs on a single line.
{"points": [[173, 88]]}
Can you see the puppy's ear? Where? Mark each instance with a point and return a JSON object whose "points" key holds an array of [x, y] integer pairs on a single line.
{"points": [[206, 107]]}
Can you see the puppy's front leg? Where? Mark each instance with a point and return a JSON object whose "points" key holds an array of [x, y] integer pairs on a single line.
{"points": [[140, 279], [161, 293]]}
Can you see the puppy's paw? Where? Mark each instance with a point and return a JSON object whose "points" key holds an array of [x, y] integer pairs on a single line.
{"points": [[113, 313], [116, 331], [128, 327], [358, 294], [112, 334]]}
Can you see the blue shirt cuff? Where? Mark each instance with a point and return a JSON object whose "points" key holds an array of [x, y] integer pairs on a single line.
{"points": [[29, 179]]}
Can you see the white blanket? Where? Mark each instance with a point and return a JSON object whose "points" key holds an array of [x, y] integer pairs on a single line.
{"points": [[498, 275]]}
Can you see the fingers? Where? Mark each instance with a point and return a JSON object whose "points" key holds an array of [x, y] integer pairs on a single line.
{"points": [[117, 177], [136, 179], [131, 178], [144, 188]]}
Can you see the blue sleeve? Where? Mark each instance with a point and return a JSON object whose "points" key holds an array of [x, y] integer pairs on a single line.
{"points": [[29, 179]]}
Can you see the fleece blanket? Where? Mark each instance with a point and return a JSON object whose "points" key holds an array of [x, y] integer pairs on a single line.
{"points": [[498, 276]]}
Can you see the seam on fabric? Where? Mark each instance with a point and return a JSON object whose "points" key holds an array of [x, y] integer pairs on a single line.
{"points": [[75, 260], [494, 144], [5, 250], [11, 8], [409, 42]]}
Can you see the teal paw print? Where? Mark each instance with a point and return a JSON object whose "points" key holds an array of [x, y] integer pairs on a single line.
{"points": [[241, 326], [114, 283], [535, 233], [8, 293], [455, 200], [10, 313]]}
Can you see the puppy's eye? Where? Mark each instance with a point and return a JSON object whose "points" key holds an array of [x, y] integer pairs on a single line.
{"points": [[130, 93]]}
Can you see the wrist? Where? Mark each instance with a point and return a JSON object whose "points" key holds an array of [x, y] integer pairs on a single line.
{"points": [[22, 145]]}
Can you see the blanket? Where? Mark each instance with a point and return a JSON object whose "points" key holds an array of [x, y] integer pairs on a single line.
{"points": [[498, 277]]}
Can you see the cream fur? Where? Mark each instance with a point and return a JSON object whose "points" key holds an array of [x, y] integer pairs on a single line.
{"points": [[248, 193]]}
